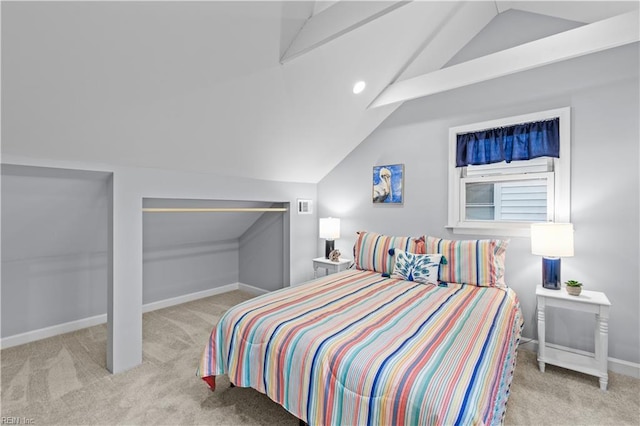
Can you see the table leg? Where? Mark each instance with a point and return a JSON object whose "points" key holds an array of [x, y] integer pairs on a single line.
{"points": [[602, 345], [541, 334]]}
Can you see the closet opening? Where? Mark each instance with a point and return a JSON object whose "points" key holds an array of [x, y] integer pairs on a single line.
{"points": [[54, 251], [191, 247]]}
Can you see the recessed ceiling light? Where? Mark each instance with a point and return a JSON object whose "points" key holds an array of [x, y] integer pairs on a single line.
{"points": [[359, 87]]}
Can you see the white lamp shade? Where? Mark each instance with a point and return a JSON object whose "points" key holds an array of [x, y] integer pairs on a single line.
{"points": [[552, 239], [329, 228]]}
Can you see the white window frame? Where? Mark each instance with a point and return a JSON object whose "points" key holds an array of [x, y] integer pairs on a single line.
{"points": [[559, 205]]}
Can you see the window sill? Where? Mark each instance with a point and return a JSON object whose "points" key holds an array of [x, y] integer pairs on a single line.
{"points": [[492, 229]]}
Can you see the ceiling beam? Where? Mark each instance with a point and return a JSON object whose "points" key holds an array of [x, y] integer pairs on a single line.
{"points": [[335, 21], [461, 23], [586, 12], [602, 35]]}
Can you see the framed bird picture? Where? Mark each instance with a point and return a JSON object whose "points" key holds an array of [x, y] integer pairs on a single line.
{"points": [[388, 183]]}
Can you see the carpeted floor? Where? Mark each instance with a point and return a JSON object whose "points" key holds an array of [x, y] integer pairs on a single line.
{"points": [[63, 380]]}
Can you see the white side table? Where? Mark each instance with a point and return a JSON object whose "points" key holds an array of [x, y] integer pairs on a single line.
{"points": [[331, 267], [594, 302]]}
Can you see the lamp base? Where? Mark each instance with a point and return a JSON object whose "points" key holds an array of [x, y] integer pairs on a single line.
{"points": [[328, 247], [551, 273]]}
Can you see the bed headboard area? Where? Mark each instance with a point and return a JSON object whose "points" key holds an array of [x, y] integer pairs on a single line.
{"points": [[474, 262]]}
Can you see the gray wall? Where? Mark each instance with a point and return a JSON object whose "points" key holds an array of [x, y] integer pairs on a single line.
{"points": [[175, 270], [261, 248], [54, 247], [193, 251], [602, 90], [55, 240]]}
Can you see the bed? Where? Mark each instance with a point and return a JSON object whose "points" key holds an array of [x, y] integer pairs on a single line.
{"points": [[369, 347]]}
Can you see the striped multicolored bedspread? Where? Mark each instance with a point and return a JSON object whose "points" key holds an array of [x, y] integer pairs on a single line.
{"points": [[356, 348]]}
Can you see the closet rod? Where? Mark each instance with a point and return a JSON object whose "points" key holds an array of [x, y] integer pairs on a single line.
{"points": [[213, 209]]}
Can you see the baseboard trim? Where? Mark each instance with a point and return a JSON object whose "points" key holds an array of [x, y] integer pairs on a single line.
{"points": [[251, 289], [54, 330], [161, 304], [627, 368], [68, 327]]}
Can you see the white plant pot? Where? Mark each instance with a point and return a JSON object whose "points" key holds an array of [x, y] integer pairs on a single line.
{"points": [[574, 291]]}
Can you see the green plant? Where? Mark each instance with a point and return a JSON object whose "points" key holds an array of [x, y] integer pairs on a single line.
{"points": [[573, 283]]}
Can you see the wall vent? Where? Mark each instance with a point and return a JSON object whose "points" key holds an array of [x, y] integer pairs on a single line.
{"points": [[305, 206]]}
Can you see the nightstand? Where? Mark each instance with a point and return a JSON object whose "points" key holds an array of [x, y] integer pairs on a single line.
{"points": [[593, 302], [331, 267]]}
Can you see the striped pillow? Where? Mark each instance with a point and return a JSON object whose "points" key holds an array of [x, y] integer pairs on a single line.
{"points": [[476, 262], [371, 251], [500, 254]]}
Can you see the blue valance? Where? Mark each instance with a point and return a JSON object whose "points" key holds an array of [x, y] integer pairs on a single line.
{"points": [[520, 142]]}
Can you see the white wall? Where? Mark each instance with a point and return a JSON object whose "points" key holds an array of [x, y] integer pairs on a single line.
{"points": [[602, 91]]}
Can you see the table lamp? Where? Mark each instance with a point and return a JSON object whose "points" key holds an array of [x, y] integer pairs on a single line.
{"points": [[551, 241], [329, 230]]}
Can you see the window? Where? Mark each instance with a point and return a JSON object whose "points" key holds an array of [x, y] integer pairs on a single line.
{"points": [[505, 198], [513, 192]]}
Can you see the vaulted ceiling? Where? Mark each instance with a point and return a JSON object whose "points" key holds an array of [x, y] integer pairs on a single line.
{"points": [[256, 89]]}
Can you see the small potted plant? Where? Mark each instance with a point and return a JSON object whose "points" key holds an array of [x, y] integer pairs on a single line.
{"points": [[574, 287]]}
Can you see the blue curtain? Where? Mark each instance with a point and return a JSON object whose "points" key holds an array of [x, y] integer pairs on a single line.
{"points": [[520, 142]]}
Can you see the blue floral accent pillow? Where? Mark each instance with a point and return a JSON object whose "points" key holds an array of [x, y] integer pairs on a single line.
{"points": [[421, 268]]}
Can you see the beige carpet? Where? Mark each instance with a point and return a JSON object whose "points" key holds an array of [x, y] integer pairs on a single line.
{"points": [[63, 380]]}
